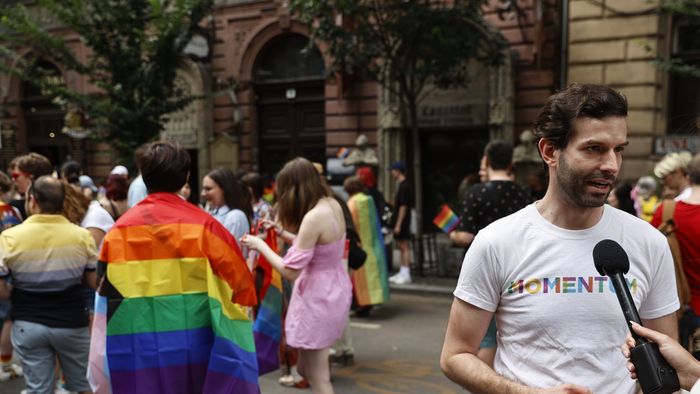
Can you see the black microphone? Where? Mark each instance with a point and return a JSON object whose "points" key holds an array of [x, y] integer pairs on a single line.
{"points": [[653, 371]]}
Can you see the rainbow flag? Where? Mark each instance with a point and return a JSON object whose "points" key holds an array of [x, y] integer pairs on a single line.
{"points": [[370, 282], [267, 328], [446, 219], [169, 315], [343, 152]]}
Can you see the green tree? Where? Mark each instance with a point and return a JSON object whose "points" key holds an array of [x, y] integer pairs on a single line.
{"points": [[405, 46], [686, 12], [135, 48]]}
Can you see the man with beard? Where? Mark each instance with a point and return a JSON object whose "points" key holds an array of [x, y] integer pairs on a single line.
{"points": [[559, 322]]}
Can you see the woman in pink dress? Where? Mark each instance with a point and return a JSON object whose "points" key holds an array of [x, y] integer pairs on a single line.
{"points": [[320, 302]]}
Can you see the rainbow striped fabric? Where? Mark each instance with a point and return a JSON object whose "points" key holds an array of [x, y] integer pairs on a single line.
{"points": [[169, 315], [267, 328], [370, 282], [446, 219], [343, 152]]}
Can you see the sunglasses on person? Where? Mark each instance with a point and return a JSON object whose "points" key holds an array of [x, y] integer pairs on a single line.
{"points": [[17, 174]]}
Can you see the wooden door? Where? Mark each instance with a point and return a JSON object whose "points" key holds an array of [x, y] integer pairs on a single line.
{"points": [[291, 123]]}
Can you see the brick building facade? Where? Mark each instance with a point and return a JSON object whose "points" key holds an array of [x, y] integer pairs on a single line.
{"points": [[287, 105]]}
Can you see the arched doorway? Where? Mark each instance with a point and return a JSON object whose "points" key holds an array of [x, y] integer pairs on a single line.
{"points": [[43, 120], [289, 81]]}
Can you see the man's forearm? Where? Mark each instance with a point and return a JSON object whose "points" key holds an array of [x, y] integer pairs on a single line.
{"points": [[461, 238], [468, 371]]}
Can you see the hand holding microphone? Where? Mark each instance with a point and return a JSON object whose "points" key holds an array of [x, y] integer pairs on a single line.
{"points": [[687, 367], [653, 371]]}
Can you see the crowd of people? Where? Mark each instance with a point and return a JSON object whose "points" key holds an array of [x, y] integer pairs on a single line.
{"points": [[132, 288]]}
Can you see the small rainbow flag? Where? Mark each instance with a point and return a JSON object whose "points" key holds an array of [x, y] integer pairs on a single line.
{"points": [[343, 152], [446, 219], [268, 326]]}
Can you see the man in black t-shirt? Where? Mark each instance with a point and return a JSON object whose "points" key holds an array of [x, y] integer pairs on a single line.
{"points": [[401, 223], [483, 204], [486, 202]]}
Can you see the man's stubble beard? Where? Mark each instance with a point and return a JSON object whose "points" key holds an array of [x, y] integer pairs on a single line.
{"points": [[573, 185]]}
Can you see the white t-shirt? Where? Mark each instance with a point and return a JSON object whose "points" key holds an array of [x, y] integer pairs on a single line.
{"points": [[137, 191], [558, 319], [684, 194], [97, 217]]}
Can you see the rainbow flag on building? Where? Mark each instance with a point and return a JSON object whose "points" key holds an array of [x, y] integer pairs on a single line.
{"points": [[267, 328], [446, 219], [169, 315], [370, 282]]}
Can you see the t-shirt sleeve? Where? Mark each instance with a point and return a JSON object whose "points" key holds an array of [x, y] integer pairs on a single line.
{"points": [[468, 219], [658, 213], [297, 258], [478, 282], [91, 253], [4, 269], [663, 296], [97, 217], [236, 223]]}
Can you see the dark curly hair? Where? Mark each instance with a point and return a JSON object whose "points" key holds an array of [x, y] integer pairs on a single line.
{"points": [[555, 121]]}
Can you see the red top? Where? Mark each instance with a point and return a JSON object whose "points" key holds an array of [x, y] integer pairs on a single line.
{"points": [[687, 220]]}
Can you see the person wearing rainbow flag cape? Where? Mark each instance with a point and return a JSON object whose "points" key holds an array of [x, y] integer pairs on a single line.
{"points": [[370, 282], [170, 315]]}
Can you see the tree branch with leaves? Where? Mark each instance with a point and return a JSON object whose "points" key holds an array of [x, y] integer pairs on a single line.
{"points": [[405, 46], [135, 48]]}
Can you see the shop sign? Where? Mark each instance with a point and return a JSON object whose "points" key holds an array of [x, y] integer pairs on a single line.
{"points": [[453, 115], [677, 143]]}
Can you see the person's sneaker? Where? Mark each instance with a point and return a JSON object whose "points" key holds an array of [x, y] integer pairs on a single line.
{"points": [[5, 376], [286, 380], [16, 370], [402, 280], [293, 381], [393, 278], [13, 369]]}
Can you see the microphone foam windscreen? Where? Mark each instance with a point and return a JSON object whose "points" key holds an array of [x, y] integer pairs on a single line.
{"points": [[609, 258]]}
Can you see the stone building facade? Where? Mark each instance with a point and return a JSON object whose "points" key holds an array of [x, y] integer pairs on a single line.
{"points": [[607, 46]]}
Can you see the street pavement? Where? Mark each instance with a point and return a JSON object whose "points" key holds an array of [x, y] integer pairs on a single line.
{"points": [[397, 350]]}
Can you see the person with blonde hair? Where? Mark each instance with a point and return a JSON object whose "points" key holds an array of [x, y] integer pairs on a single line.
{"points": [[673, 171], [318, 314], [685, 224]]}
